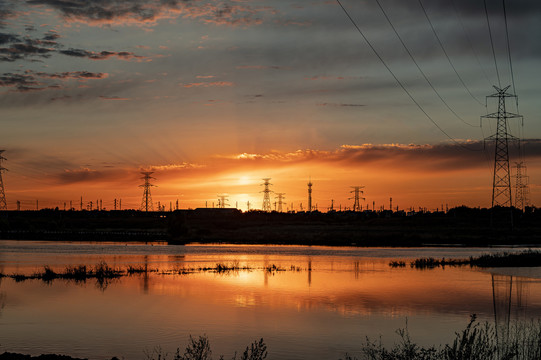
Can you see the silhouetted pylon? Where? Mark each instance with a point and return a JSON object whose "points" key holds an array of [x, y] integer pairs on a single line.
{"points": [[357, 196], [146, 202], [266, 195], [3, 202], [280, 197], [501, 184], [521, 186]]}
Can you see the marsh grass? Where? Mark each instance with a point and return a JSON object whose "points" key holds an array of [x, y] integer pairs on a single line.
{"points": [[199, 349], [528, 258], [103, 273], [478, 341]]}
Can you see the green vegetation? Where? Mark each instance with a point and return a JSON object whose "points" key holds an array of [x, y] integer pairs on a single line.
{"points": [[527, 258]]}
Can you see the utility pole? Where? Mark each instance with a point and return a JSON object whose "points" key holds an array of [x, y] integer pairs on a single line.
{"points": [[310, 195], [3, 202], [266, 195], [146, 202], [280, 197], [357, 196]]}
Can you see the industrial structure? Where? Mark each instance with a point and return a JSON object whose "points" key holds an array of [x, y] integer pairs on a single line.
{"points": [[357, 192], [146, 202], [309, 195], [521, 186], [266, 195], [280, 197], [501, 184], [223, 201], [3, 202]]}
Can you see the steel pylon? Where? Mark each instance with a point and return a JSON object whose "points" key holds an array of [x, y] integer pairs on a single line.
{"points": [[501, 184]]}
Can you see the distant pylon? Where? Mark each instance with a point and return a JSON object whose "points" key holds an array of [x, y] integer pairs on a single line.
{"points": [[501, 184], [521, 186], [280, 197], [357, 196], [146, 203], [223, 201], [3, 202], [310, 195], [266, 195]]}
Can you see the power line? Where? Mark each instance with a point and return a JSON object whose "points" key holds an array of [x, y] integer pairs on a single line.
{"points": [[397, 80], [447, 56], [509, 51], [492, 44], [418, 67], [470, 43]]}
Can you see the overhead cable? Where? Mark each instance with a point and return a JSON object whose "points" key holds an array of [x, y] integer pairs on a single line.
{"points": [[447, 55], [398, 81], [492, 44], [418, 67]]}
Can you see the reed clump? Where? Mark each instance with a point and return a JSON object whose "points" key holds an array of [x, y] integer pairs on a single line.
{"points": [[199, 349], [478, 341], [528, 258]]}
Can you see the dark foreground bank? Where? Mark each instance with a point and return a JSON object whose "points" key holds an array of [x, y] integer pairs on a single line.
{"points": [[476, 342], [459, 226]]}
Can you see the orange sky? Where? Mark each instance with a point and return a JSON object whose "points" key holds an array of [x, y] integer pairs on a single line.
{"points": [[216, 95]]}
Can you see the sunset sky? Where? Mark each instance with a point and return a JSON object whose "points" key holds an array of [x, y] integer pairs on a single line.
{"points": [[215, 95]]}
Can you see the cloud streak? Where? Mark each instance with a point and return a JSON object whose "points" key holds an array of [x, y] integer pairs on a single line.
{"points": [[147, 12], [36, 81]]}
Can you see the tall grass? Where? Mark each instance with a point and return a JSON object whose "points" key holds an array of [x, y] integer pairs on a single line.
{"points": [[478, 341], [526, 258], [199, 349]]}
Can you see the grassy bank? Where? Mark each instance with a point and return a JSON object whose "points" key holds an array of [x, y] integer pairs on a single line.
{"points": [[528, 258], [104, 274], [478, 341]]}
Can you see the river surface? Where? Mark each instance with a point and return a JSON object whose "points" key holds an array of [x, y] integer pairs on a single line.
{"points": [[322, 304]]}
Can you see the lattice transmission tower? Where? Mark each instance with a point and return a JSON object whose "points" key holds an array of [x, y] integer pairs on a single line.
{"points": [[3, 202], [357, 197], [223, 201], [146, 202], [280, 197], [522, 189], [501, 184], [266, 195]]}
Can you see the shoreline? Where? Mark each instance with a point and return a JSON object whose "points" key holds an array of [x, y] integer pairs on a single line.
{"points": [[463, 227]]}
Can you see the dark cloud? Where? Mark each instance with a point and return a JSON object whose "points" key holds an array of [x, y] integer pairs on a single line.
{"points": [[20, 51], [8, 38], [103, 55], [17, 48], [36, 81], [143, 11], [340, 104], [87, 174], [440, 157]]}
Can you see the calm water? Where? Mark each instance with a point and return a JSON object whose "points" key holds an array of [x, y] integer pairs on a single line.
{"points": [[325, 307]]}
